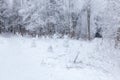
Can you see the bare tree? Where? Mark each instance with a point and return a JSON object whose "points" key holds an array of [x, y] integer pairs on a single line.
{"points": [[117, 38], [88, 21], [89, 18]]}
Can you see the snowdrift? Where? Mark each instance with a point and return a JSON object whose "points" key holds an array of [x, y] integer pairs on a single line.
{"points": [[58, 59]]}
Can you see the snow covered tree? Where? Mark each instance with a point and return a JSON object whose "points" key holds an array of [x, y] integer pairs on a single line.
{"points": [[3, 9], [93, 9], [75, 18]]}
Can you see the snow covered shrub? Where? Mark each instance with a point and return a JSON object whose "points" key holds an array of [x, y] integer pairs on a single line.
{"points": [[33, 45], [98, 33], [50, 48]]}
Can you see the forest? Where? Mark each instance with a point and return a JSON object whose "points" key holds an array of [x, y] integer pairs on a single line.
{"points": [[85, 19]]}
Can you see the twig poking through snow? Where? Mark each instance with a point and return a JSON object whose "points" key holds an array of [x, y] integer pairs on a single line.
{"points": [[75, 60]]}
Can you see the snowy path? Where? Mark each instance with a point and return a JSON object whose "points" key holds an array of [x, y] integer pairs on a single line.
{"points": [[52, 59]]}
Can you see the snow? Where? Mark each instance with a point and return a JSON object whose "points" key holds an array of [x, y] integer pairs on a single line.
{"points": [[24, 58], [10, 3]]}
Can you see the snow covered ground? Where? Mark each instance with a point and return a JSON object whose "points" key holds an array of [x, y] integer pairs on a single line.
{"points": [[58, 59]]}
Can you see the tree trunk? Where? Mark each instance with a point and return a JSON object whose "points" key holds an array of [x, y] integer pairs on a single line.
{"points": [[88, 22]]}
